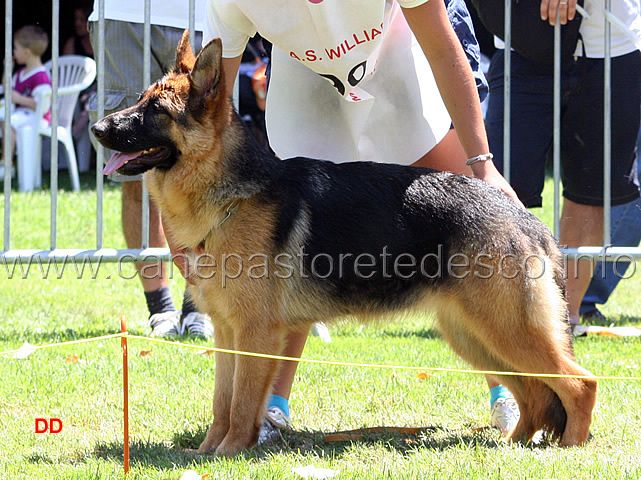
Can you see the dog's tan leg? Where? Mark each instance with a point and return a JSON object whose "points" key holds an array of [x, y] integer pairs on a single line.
{"points": [[529, 334], [223, 390], [538, 343], [534, 399], [540, 351], [253, 380], [452, 320], [578, 396]]}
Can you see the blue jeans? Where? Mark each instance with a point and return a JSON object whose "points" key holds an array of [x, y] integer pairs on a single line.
{"points": [[625, 231]]}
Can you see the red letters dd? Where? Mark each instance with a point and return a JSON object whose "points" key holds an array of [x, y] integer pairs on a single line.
{"points": [[53, 425]]}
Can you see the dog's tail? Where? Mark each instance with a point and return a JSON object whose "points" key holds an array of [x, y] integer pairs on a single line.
{"points": [[541, 409], [548, 411]]}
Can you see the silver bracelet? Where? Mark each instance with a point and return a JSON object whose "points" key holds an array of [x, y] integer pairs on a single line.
{"points": [[480, 158]]}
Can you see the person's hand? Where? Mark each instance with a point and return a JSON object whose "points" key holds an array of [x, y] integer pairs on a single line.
{"points": [[566, 9], [15, 97], [487, 171]]}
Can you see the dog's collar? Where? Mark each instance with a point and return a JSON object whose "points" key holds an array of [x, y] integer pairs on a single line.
{"points": [[228, 211]]}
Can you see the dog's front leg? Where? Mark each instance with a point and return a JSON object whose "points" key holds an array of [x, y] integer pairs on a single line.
{"points": [[223, 390], [253, 380]]}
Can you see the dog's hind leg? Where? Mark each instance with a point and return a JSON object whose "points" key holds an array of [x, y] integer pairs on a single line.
{"points": [[563, 406], [528, 332], [452, 321], [223, 390], [538, 343], [578, 396], [252, 383]]}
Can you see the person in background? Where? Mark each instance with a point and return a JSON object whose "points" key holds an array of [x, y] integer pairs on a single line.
{"points": [[29, 43], [124, 52], [532, 86], [80, 44], [625, 231]]}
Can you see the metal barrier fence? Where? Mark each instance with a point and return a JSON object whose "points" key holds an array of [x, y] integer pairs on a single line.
{"points": [[11, 255]]}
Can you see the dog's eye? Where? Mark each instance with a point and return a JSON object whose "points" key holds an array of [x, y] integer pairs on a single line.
{"points": [[158, 107]]}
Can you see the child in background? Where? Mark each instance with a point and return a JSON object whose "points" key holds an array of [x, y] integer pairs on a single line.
{"points": [[29, 43]]}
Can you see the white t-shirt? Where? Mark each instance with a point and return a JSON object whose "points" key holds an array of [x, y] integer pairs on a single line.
{"points": [[168, 13], [348, 80], [592, 28]]}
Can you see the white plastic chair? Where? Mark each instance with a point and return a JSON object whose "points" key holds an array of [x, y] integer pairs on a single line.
{"points": [[75, 73]]}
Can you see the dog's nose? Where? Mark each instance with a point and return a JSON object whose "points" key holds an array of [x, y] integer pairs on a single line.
{"points": [[99, 129]]}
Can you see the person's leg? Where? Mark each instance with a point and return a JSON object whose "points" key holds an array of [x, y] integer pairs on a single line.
{"points": [[580, 225], [123, 82], [582, 162], [530, 138], [163, 317], [530, 124], [152, 275], [625, 231], [504, 411], [278, 403], [448, 155]]}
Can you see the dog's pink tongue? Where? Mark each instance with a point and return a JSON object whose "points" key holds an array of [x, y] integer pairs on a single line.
{"points": [[117, 160]]}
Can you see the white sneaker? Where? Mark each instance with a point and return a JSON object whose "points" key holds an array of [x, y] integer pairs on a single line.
{"points": [[165, 324], [505, 414], [196, 324], [275, 420]]}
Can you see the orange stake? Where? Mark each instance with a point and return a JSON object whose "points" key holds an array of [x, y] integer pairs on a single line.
{"points": [[125, 390]]}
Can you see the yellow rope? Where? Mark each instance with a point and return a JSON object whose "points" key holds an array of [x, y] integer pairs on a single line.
{"points": [[372, 365], [61, 344], [317, 362]]}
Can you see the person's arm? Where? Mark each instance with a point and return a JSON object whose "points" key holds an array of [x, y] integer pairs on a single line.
{"points": [[69, 49], [23, 100], [230, 71], [566, 9], [432, 28]]}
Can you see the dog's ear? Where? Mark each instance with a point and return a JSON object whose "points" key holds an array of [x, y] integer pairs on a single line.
{"points": [[185, 58], [206, 75]]}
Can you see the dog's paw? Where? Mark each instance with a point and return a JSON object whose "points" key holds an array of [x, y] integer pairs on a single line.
{"points": [[230, 449], [198, 451], [191, 451]]}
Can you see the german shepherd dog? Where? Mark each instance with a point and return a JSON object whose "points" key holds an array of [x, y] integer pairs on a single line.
{"points": [[291, 242]]}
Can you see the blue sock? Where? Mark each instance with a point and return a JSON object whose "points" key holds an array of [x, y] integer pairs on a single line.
{"points": [[280, 402], [498, 392]]}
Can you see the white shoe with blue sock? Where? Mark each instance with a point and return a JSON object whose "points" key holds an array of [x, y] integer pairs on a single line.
{"points": [[276, 419], [505, 412]]}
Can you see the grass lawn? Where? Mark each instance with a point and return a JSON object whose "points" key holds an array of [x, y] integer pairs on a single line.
{"points": [[171, 388]]}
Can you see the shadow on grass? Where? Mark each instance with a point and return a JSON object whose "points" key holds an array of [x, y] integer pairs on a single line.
{"points": [[172, 453], [426, 333], [612, 321], [431, 438], [40, 459]]}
